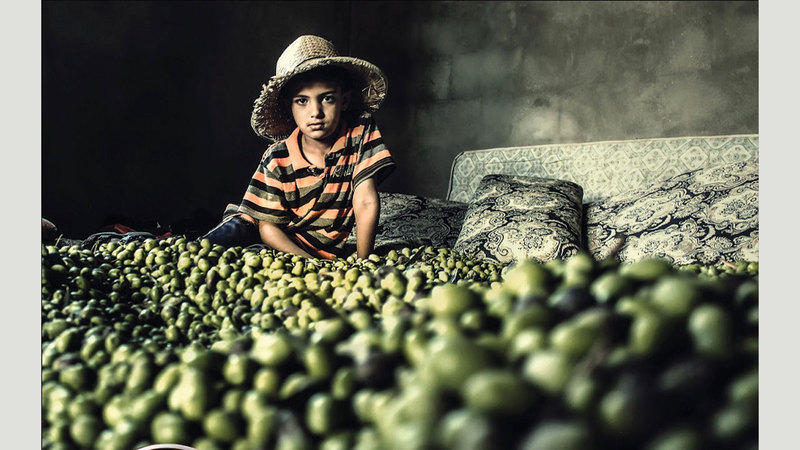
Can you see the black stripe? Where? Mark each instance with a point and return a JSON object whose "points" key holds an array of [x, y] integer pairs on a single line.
{"points": [[336, 200], [381, 166], [289, 195], [347, 150], [287, 174], [281, 151], [368, 146], [317, 244], [274, 191], [255, 184], [340, 200], [365, 120], [265, 211], [260, 185], [306, 172], [309, 196], [285, 177], [340, 179], [340, 222]]}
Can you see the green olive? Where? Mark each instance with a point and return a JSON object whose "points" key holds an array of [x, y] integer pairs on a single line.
{"points": [[548, 369], [675, 296], [321, 413], [222, 426], [551, 434], [647, 269], [711, 329], [85, 429], [450, 300], [271, 349], [450, 361], [497, 391], [184, 341], [169, 427], [676, 438], [261, 426]]}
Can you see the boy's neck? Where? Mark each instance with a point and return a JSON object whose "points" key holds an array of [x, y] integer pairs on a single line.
{"points": [[316, 147]]}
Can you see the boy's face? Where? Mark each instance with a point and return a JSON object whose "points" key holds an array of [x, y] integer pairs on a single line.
{"points": [[317, 108]]}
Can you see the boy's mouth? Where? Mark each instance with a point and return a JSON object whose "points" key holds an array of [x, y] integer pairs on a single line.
{"points": [[316, 126]]}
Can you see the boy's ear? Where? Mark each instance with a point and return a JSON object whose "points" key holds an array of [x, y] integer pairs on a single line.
{"points": [[345, 100]]}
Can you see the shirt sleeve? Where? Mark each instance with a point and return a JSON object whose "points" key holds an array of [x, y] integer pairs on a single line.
{"points": [[264, 198], [374, 159]]}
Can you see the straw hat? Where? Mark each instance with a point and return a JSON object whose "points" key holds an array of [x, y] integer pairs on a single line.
{"points": [[271, 121]]}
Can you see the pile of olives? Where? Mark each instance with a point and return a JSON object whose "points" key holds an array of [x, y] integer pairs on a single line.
{"points": [[178, 341]]}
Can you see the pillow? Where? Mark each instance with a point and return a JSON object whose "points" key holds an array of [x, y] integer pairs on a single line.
{"points": [[514, 217], [410, 221], [703, 216]]}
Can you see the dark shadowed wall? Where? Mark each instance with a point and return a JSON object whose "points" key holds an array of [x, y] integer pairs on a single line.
{"points": [[146, 105]]}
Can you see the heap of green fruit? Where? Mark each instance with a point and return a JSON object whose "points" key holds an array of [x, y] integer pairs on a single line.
{"points": [[176, 341]]}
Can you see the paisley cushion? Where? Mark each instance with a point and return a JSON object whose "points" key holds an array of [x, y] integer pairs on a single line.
{"points": [[703, 216], [515, 217], [409, 221]]}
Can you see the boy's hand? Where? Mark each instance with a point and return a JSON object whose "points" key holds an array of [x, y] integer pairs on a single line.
{"points": [[273, 236], [366, 206]]}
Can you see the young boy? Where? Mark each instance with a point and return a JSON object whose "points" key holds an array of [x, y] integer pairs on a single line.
{"points": [[320, 177]]}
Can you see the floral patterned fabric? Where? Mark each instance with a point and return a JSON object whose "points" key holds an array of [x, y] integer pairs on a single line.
{"points": [[601, 169], [515, 217], [701, 216], [410, 221]]}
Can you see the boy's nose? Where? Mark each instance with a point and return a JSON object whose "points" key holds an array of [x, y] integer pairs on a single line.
{"points": [[316, 109]]}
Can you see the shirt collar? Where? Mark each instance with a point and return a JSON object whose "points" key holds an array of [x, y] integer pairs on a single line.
{"points": [[298, 161]]}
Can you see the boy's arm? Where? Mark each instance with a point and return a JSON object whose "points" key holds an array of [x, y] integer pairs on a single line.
{"points": [[366, 206], [273, 236]]}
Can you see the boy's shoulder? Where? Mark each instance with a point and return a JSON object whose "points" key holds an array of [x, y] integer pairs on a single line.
{"points": [[278, 149], [365, 119]]}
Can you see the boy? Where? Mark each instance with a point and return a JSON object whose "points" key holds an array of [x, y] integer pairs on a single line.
{"points": [[320, 177]]}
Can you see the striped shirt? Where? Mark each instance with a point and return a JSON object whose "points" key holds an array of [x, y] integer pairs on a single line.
{"points": [[314, 206]]}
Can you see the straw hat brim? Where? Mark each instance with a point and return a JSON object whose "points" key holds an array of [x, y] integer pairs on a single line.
{"points": [[271, 121]]}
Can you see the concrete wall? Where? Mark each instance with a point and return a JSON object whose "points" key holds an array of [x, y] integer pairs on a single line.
{"points": [[146, 105], [471, 75]]}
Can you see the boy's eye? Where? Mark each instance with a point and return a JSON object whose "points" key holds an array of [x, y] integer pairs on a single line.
{"points": [[300, 101], [329, 99]]}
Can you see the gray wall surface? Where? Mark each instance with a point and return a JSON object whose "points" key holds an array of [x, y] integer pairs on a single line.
{"points": [[146, 105], [471, 75]]}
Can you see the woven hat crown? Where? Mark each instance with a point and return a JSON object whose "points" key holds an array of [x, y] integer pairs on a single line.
{"points": [[301, 50]]}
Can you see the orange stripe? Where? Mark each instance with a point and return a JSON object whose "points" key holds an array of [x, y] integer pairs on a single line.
{"points": [[355, 132], [339, 144], [332, 213], [259, 176], [306, 182], [269, 181], [350, 160], [335, 188], [262, 202], [313, 250], [333, 235], [304, 209], [280, 162], [325, 254], [247, 217], [295, 155], [304, 243], [370, 161], [374, 134]]}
